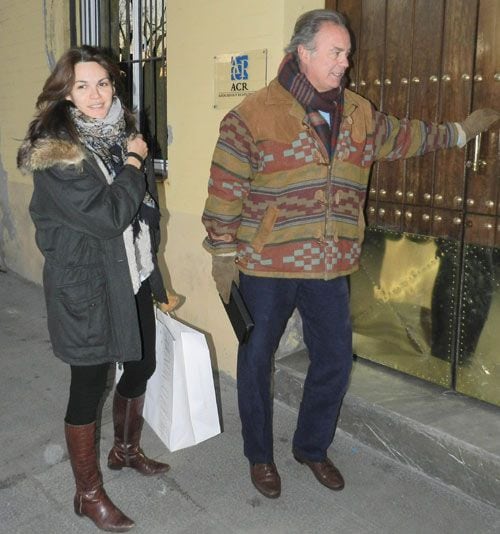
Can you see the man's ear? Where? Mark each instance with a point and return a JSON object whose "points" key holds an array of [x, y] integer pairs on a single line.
{"points": [[302, 53]]}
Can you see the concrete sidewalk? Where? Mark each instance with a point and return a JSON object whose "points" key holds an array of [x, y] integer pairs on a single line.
{"points": [[208, 488]]}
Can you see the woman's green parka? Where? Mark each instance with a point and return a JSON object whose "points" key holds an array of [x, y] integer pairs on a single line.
{"points": [[79, 220]]}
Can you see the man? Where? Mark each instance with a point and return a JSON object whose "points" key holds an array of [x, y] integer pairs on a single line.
{"points": [[284, 218]]}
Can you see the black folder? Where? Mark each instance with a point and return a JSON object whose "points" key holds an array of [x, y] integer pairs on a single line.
{"points": [[239, 315]]}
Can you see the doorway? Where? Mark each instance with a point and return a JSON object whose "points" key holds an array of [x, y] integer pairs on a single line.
{"points": [[426, 300]]}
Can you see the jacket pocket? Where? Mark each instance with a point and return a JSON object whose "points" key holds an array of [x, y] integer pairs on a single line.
{"points": [[265, 229], [82, 314]]}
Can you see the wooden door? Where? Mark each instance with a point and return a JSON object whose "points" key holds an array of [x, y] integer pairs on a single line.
{"points": [[414, 58], [436, 60], [483, 164], [478, 371]]}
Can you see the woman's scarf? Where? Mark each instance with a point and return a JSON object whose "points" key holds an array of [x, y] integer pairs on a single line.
{"points": [[106, 139], [332, 102]]}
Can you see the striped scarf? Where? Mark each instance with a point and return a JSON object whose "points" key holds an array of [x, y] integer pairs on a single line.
{"points": [[297, 84]]}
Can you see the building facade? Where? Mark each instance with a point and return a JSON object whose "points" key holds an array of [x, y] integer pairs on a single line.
{"points": [[427, 296]]}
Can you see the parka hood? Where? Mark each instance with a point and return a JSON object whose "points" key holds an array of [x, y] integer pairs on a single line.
{"points": [[48, 152]]}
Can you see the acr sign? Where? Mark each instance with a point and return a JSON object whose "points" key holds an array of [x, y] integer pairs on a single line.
{"points": [[238, 75]]}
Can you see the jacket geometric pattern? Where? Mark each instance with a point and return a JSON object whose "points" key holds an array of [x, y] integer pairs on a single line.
{"points": [[278, 202], [79, 220]]}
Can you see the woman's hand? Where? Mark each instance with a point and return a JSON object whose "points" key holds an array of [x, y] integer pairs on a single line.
{"points": [[136, 144]]}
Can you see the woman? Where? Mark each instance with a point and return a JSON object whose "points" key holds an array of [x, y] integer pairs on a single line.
{"points": [[96, 215]]}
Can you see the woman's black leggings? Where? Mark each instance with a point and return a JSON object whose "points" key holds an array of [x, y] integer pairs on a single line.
{"points": [[88, 383]]}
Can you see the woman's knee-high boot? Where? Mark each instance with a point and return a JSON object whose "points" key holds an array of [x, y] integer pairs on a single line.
{"points": [[91, 499], [126, 452]]}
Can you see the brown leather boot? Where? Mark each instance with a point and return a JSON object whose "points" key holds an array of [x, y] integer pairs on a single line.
{"points": [[90, 498], [126, 452]]}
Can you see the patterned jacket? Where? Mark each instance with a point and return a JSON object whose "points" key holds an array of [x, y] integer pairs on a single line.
{"points": [[277, 200]]}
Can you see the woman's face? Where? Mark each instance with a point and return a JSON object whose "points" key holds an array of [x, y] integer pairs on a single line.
{"points": [[93, 91]]}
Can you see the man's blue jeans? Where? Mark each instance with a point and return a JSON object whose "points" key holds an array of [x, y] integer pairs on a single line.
{"points": [[324, 309]]}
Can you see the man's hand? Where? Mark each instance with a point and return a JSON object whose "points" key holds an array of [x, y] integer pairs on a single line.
{"points": [[224, 272], [174, 302], [479, 121]]}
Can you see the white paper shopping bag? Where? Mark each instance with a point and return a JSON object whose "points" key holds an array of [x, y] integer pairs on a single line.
{"points": [[180, 404]]}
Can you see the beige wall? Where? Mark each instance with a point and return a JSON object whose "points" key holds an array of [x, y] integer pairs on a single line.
{"points": [[29, 41], [196, 32]]}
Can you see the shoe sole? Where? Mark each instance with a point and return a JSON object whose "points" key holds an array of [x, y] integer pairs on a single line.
{"points": [[267, 495], [321, 481]]}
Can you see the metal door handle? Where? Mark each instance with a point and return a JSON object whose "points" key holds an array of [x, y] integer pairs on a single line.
{"points": [[476, 162]]}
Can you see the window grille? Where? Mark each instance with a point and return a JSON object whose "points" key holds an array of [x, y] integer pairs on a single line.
{"points": [[135, 31]]}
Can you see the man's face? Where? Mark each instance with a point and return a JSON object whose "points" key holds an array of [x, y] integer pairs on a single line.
{"points": [[325, 66]]}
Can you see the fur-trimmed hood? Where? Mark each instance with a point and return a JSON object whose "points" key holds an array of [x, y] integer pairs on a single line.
{"points": [[47, 152]]}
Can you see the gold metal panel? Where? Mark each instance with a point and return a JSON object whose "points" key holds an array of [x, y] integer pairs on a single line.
{"points": [[478, 372], [417, 310], [391, 300]]}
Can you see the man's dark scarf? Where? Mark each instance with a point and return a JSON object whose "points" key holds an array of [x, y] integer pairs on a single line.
{"points": [[107, 138], [332, 102]]}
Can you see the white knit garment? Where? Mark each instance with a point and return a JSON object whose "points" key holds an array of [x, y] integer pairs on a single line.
{"points": [[139, 256]]}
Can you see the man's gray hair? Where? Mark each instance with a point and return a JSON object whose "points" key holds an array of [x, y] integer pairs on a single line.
{"points": [[308, 25]]}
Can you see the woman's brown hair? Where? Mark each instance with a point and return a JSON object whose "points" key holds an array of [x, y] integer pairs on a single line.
{"points": [[53, 118]]}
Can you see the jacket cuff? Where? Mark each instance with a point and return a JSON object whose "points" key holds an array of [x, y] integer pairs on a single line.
{"points": [[462, 138]]}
